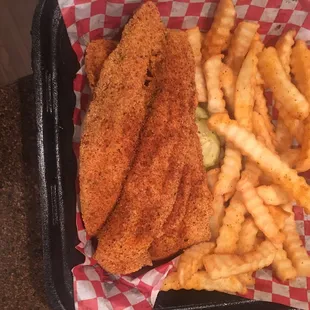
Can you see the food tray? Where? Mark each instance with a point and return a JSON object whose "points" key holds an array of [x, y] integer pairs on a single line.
{"points": [[55, 65]]}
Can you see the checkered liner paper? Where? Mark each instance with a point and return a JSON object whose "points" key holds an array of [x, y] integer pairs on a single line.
{"points": [[87, 20]]}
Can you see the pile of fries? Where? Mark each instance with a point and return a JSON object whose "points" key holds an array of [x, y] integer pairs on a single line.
{"points": [[257, 182]]}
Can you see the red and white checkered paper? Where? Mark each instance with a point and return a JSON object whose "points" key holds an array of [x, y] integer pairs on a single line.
{"points": [[87, 20]]}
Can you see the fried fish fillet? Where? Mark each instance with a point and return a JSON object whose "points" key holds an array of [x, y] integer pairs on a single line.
{"points": [[152, 185], [188, 222], [116, 115], [97, 52]]}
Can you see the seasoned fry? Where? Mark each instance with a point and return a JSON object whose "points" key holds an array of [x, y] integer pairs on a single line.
{"points": [[230, 172], [226, 265], [283, 90], [284, 49], [251, 172], [283, 267], [194, 38], [240, 44], [212, 177], [279, 215], [246, 278], [261, 131], [294, 247], [191, 260], [218, 37], [290, 157], [212, 71], [303, 163], [228, 82], [269, 162], [247, 236], [201, 281], [218, 215], [272, 195], [283, 137], [245, 85], [226, 242], [260, 106], [261, 216], [300, 62]]}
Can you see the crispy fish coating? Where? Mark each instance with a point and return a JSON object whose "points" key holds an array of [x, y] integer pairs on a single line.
{"points": [[115, 117], [152, 185], [97, 52]]}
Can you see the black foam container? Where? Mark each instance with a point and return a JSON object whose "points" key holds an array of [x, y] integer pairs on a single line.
{"points": [[55, 65]]}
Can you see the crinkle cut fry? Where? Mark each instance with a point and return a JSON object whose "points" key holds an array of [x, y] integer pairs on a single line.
{"points": [[125, 239], [226, 265], [269, 162], [104, 151], [247, 236]]}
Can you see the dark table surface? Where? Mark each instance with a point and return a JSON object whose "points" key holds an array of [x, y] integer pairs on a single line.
{"points": [[21, 269]]}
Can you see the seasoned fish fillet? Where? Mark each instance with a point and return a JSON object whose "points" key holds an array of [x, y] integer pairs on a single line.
{"points": [[152, 185], [97, 52], [116, 115]]}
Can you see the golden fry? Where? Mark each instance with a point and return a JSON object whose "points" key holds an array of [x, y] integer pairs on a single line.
{"points": [[272, 195], [300, 63], [218, 215], [261, 131], [226, 265], [270, 163], [283, 267], [230, 172], [284, 49], [261, 216], [191, 260], [251, 172], [294, 247], [283, 137], [218, 37], [247, 236], [212, 71], [228, 82], [226, 242], [212, 177], [303, 163], [279, 215], [240, 44], [194, 38], [245, 85], [202, 281], [283, 90]]}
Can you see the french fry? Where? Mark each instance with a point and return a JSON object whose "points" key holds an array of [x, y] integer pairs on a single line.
{"points": [[212, 71], [270, 163], [226, 265], [251, 172], [279, 215], [230, 172], [290, 157], [247, 236], [218, 215], [283, 267], [228, 82], [300, 63], [218, 37], [303, 163], [212, 177], [246, 278], [229, 232], [260, 213], [284, 49], [240, 44], [202, 281], [261, 131], [194, 38], [293, 245], [191, 260], [283, 90], [260, 106], [272, 195], [245, 85], [283, 137]]}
